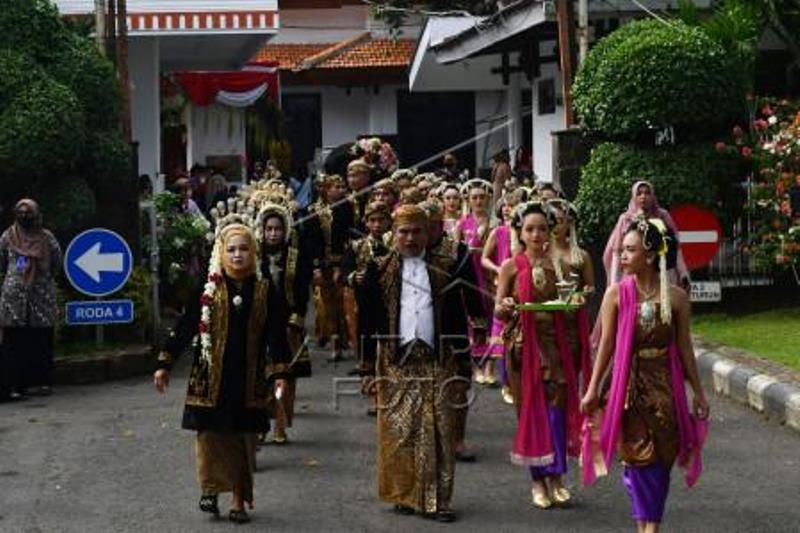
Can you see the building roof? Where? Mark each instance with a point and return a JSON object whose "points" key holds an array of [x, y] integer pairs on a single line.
{"points": [[373, 53], [290, 56], [361, 52]]}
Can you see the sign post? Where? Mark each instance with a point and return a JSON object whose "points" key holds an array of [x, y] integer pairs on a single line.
{"points": [[98, 262]]}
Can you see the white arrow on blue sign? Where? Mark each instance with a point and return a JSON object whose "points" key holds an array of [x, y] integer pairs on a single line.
{"points": [[98, 262]]}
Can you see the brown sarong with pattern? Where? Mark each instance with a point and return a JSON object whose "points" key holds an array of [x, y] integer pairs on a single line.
{"points": [[226, 461], [417, 400]]}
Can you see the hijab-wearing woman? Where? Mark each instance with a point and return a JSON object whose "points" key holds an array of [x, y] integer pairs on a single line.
{"points": [[30, 259], [646, 339], [542, 372], [643, 202], [241, 356]]}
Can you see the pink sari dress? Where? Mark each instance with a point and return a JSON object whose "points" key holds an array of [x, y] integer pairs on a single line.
{"points": [[502, 251], [474, 237]]}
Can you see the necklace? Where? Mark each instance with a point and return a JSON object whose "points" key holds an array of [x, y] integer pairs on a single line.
{"points": [[647, 308], [538, 274]]}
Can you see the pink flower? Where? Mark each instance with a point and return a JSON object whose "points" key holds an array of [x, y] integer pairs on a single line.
{"points": [[767, 111], [205, 299], [747, 152], [214, 277], [760, 124], [738, 131], [720, 147], [202, 327], [786, 208]]}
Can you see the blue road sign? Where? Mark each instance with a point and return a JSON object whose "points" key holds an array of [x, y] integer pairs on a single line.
{"points": [[99, 312], [98, 262]]}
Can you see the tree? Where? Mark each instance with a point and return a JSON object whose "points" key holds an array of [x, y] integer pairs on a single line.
{"points": [[60, 139]]}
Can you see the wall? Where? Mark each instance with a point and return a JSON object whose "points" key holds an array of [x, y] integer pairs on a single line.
{"points": [[143, 58], [345, 116], [490, 112], [543, 125], [215, 130]]}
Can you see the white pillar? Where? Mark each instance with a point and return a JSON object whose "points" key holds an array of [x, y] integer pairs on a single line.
{"points": [[143, 60], [514, 113], [188, 115]]}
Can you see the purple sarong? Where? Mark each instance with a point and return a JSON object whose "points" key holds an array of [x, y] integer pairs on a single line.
{"points": [[558, 431], [647, 488]]}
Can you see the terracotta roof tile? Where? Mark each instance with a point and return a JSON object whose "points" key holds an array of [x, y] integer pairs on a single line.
{"points": [[373, 53], [290, 56], [363, 53]]}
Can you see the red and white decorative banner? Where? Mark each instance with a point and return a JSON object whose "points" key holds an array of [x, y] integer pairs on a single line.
{"points": [[234, 89], [212, 22]]}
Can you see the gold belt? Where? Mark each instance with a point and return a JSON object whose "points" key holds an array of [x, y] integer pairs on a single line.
{"points": [[651, 353]]}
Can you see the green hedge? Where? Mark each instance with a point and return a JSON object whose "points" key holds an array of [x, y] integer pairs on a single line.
{"points": [[680, 174], [648, 75]]}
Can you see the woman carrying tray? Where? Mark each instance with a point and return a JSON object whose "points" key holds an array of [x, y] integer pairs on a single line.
{"points": [[541, 369]]}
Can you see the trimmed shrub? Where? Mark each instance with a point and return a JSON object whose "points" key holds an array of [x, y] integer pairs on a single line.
{"points": [[648, 75]]}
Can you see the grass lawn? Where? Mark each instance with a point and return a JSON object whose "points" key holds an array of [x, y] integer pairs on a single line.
{"points": [[771, 334]]}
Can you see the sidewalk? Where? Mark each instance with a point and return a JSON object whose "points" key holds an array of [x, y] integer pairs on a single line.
{"points": [[765, 386]]}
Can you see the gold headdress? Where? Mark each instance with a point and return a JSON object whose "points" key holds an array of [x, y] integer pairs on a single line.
{"points": [[643, 226], [410, 214], [358, 165]]}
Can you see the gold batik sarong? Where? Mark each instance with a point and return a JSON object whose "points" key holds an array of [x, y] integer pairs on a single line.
{"points": [[226, 461], [351, 317], [329, 303], [417, 400]]}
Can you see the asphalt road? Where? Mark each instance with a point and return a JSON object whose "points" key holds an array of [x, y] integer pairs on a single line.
{"points": [[111, 457]]}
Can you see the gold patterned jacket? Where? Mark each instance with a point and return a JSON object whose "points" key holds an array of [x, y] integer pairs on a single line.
{"points": [[450, 334]]}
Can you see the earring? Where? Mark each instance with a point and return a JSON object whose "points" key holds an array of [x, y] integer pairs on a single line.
{"points": [[649, 260]]}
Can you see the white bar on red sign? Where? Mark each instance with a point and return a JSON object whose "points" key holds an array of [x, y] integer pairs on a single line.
{"points": [[687, 237]]}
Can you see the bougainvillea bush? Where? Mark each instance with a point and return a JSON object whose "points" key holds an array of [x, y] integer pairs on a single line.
{"points": [[770, 145]]}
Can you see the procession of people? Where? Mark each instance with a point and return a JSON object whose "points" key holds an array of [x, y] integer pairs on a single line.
{"points": [[436, 284]]}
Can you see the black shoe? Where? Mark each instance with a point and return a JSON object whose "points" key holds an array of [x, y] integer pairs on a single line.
{"points": [[372, 411], [208, 504], [238, 516], [446, 516], [403, 510], [355, 372], [466, 457]]}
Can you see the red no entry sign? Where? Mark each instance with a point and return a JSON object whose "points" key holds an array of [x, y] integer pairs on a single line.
{"points": [[699, 233]]}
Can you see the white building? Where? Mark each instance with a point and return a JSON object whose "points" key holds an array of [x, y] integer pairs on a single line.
{"points": [[179, 35]]}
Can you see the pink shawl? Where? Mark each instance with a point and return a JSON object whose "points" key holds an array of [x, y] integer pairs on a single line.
{"points": [[533, 445], [692, 432]]}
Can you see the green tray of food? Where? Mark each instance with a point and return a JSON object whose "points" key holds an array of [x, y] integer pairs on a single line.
{"points": [[548, 306]]}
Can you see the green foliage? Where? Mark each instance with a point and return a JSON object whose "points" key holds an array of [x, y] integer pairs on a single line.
{"points": [[737, 26], [106, 161], [680, 174], [92, 78], [68, 206], [41, 130], [59, 117], [649, 75], [182, 241]]}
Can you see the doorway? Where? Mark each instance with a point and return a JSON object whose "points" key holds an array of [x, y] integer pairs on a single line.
{"points": [[302, 126]]}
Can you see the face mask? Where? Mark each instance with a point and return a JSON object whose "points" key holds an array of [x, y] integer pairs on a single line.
{"points": [[26, 221]]}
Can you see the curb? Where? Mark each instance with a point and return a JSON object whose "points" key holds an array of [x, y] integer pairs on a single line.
{"points": [[776, 400], [121, 363]]}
